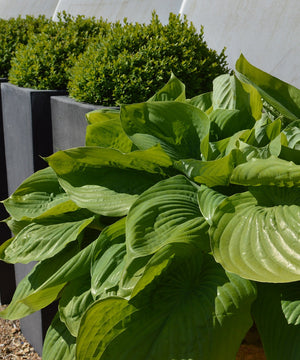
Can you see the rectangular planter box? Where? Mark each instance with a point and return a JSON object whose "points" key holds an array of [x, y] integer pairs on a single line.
{"points": [[8, 284], [27, 131], [69, 122], [27, 136]]}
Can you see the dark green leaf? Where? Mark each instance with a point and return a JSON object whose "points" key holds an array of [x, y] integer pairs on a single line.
{"points": [[167, 212], [59, 343], [282, 96], [188, 308], [177, 127]]}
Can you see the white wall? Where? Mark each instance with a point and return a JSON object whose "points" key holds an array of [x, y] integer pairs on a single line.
{"points": [[267, 32], [134, 10], [14, 8]]}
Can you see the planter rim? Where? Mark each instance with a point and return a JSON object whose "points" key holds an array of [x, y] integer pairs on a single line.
{"points": [[69, 100], [25, 89]]}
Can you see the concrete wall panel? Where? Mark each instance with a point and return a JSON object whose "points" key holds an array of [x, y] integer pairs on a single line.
{"points": [[14, 8], [134, 10], [267, 32]]}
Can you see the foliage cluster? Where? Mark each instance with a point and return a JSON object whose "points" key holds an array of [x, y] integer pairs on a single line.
{"points": [[44, 61], [13, 32], [135, 60], [172, 230]]}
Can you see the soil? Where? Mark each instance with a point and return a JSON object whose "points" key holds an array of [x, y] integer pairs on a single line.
{"points": [[13, 345], [251, 348]]}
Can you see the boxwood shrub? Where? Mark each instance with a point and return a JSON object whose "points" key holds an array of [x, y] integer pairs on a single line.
{"points": [[44, 61], [15, 31], [135, 60]]}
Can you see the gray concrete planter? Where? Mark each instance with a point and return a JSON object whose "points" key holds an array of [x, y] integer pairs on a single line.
{"points": [[7, 285], [27, 136], [69, 122], [27, 130]]}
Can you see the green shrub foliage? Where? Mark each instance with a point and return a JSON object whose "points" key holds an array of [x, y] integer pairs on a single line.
{"points": [[172, 230], [44, 61], [15, 31], [135, 60]]}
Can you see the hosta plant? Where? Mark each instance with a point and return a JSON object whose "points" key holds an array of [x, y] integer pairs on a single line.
{"points": [[172, 231]]}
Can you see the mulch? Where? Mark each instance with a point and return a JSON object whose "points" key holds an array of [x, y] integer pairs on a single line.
{"points": [[13, 345]]}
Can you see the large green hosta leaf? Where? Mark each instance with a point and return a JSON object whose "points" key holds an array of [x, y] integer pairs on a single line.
{"points": [[178, 127], [75, 299], [292, 133], [211, 173], [271, 171], [277, 315], [38, 242], [202, 101], [250, 152], [256, 234], [225, 123], [174, 90], [187, 308], [282, 96], [106, 181], [167, 212], [209, 200], [46, 280], [229, 93], [37, 194], [105, 130], [263, 132], [59, 343], [108, 261]]}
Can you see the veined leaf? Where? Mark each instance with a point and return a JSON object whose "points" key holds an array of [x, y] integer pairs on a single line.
{"points": [[106, 181], [38, 242], [211, 173], [256, 234], [178, 127], [214, 150], [229, 93], [271, 171], [290, 154], [277, 316], [167, 212], [202, 102], [250, 152], [209, 200], [191, 310], [226, 122], [263, 132], [37, 194], [292, 133], [108, 261], [100, 115], [59, 343], [15, 225], [46, 280], [282, 96], [75, 299], [174, 90], [105, 130]]}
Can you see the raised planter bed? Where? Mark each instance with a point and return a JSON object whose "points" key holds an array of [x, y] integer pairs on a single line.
{"points": [[7, 285], [27, 136], [69, 121]]}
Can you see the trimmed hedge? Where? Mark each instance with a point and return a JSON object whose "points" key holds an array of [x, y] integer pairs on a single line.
{"points": [[135, 60], [15, 31], [44, 61], [124, 63]]}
